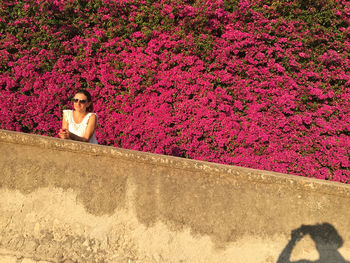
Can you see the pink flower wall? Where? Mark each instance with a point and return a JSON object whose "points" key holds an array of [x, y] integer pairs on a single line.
{"points": [[260, 84]]}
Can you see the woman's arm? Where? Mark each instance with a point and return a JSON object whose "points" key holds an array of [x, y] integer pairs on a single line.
{"points": [[90, 129], [64, 123], [63, 134]]}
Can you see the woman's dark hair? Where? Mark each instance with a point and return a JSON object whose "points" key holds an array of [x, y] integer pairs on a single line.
{"points": [[88, 96]]}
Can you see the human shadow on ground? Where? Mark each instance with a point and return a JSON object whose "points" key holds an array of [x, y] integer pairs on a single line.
{"points": [[327, 242]]}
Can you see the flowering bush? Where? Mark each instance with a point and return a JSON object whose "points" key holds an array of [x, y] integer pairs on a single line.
{"points": [[260, 84]]}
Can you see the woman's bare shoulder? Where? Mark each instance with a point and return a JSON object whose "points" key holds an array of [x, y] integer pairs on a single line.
{"points": [[92, 117], [67, 111]]}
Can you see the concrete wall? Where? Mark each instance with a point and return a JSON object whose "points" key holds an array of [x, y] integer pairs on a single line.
{"points": [[65, 201]]}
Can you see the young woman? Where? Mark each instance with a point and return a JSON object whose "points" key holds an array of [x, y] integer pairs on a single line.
{"points": [[80, 124]]}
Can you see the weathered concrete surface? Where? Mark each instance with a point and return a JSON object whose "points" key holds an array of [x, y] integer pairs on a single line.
{"points": [[65, 201]]}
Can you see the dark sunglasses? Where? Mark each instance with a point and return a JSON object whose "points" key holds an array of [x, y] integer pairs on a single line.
{"points": [[77, 100]]}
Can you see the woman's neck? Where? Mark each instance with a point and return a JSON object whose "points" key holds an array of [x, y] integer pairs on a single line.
{"points": [[80, 113]]}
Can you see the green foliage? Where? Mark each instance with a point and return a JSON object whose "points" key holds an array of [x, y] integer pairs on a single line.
{"points": [[231, 5], [311, 12]]}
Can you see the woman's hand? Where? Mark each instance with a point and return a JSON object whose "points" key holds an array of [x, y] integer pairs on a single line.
{"points": [[64, 134]]}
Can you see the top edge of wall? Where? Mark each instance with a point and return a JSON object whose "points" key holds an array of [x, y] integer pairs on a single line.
{"points": [[225, 172]]}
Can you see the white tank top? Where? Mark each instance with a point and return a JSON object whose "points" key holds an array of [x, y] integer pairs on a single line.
{"points": [[79, 128]]}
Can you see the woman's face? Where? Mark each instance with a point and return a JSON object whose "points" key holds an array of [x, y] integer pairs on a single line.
{"points": [[80, 102]]}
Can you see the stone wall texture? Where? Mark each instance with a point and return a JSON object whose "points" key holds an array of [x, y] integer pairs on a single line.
{"points": [[66, 201]]}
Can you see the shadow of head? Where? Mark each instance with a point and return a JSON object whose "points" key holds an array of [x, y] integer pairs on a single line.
{"points": [[324, 235]]}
